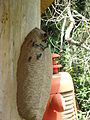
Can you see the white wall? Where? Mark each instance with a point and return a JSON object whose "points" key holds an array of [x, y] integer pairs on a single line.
{"points": [[17, 18]]}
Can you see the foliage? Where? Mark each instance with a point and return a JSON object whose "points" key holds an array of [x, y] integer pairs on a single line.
{"points": [[75, 53], [76, 63]]}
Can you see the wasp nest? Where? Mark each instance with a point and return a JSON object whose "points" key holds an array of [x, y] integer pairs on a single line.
{"points": [[34, 75]]}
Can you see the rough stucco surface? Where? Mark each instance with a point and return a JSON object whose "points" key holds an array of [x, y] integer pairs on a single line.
{"points": [[17, 19], [34, 76]]}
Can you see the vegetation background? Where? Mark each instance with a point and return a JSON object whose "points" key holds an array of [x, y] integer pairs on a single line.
{"points": [[67, 23]]}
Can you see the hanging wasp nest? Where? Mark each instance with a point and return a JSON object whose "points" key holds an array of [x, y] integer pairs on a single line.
{"points": [[34, 75]]}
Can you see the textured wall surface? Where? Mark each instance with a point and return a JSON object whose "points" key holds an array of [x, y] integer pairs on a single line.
{"points": [[34, 75], [17, 19]]}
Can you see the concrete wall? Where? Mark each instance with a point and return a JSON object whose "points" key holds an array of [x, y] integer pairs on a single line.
{"points": [[17, 18]]}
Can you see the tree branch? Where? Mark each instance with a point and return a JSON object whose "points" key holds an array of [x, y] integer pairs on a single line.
{"points": [[62, 31], [79, 44], [69, 29]]}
